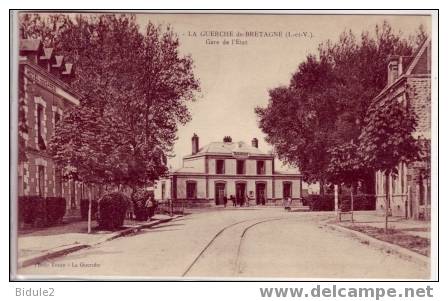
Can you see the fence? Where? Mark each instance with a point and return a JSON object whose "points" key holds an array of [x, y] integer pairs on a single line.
{"points": [[170, 207]]}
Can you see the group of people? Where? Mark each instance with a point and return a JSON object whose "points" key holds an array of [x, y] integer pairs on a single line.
{"points": [[236, 202], [287, 202]]}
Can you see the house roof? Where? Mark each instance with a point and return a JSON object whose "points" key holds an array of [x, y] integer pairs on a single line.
{"points": [[418, 56], [408, 69], [230, 148]]}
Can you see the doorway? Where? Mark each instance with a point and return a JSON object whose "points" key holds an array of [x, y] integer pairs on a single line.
{"points": [[287, 191], [261, 193], [240, 193], [220, 192]]}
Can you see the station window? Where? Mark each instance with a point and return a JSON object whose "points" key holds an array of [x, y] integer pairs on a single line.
{"points": [[261, 170], [220, 167], [240, 167], [40, 139]]}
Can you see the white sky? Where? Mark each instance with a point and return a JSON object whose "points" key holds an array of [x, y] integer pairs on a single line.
{"points": [[236, 79]]}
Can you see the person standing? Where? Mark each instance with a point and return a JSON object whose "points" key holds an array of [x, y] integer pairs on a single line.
{"points": [[232, 198], [225, 201]]}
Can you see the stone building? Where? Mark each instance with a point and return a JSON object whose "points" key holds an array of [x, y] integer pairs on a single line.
{"points": [[43, 89], [225, 169], [409, 82]]}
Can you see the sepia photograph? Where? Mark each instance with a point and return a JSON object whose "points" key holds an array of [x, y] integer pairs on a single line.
{"points": [[214, 145]]}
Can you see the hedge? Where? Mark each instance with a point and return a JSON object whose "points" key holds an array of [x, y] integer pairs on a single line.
{"points": [[55, 207], [326, 202], [319, 203], [84, 208], [40, 212], [112, 210], [361, 201]]}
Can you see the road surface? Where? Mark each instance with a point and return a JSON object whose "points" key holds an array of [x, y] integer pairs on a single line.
{"points": [[247, 243]]}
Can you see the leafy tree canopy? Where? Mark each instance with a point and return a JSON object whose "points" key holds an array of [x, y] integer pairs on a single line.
{"points": [[315, 122], [134, 86]]}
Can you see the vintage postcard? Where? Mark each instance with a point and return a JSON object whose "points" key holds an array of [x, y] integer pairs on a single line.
{"points": [[224, 145]]}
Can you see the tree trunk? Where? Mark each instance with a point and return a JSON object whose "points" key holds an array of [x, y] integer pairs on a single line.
{"points": [[351, 199], [336, 199], [322, 187], [89, 217], [387, 202]]}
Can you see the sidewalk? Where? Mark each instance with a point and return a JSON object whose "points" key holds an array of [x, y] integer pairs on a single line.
{"points": [[36, 246], [411, 235]]}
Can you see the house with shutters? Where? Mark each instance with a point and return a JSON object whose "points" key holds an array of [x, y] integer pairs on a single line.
{"points": [[45, 94], [225, 169], [409, 83]]}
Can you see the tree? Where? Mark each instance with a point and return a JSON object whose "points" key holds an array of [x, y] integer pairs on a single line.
{"points": [[386, 139], [346, 167], [322, 111], [134, 85], [298, 118], [134, 91]]}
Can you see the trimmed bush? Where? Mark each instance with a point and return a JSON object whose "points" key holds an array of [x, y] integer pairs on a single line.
{"points": [[39, 211], [55, 210], [326, 203], [319, 203], [84, 208], [139, 199], [112, 210], [31, 209], [363, 202]]}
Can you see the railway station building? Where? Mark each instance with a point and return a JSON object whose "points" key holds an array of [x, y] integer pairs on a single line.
{"points": [[225, 169]]}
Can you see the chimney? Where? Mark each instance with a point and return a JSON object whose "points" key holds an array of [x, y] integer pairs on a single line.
{"points": [[194, 144], [394, 68], [255, 142], [227, 139]]}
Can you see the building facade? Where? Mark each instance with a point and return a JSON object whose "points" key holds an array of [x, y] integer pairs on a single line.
{"points": [[409, 82], [45, 95], [225, 169]]}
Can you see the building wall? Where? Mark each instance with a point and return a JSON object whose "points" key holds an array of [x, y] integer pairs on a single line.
{"points": [[198, 164], [182, 187], [419, 95], [158, 189], [43, 93], [409, 193], [295, 188], [231, 164]]}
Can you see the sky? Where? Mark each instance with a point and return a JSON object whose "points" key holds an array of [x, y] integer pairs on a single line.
{"points": [[236, 78]]}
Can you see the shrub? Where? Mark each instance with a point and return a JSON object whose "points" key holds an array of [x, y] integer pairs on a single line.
{"points": [[361, 201], [364, 202], [31, 209], [55, 210], [112, 210], [39, 211], [84, 208], [319, 203], [139, 198]]}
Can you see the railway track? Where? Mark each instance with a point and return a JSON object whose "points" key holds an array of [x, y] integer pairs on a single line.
{"points": [[236, 266]]}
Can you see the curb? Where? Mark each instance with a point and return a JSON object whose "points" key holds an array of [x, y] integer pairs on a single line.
{"points": [[64, 250], [383, 245], [50, 255]]}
